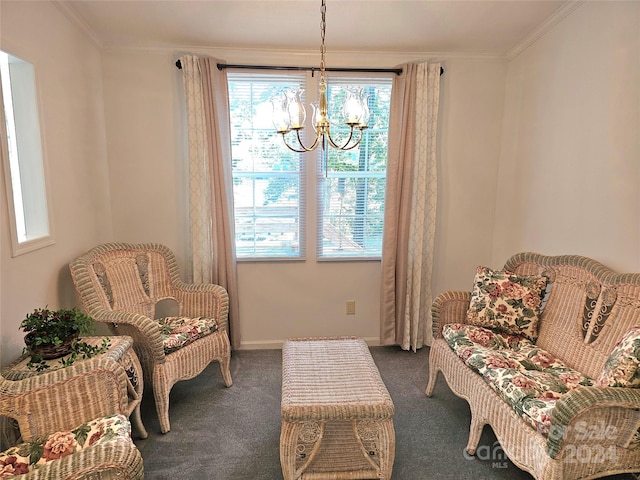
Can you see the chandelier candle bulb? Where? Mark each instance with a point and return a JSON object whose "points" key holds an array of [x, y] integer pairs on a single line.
{"points": [[280, 117], [353, 109], [297, 113]]}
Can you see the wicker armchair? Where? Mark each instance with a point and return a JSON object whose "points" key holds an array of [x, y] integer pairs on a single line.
{"points": [[121, 284], [60, 401]]}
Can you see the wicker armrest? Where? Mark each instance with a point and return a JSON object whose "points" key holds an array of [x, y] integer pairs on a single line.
{"points": [[204, 299], [141, 328], [595, 416], [64, 398], [449, 307]]}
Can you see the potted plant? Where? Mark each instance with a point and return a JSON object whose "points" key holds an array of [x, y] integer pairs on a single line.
{"points": [[56, 333]]}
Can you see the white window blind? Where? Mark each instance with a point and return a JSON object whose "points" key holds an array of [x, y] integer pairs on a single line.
{"points": [[268, 178], [352, 188]]}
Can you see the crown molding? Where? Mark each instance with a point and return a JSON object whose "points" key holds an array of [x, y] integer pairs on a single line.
{"points": [[335, 58], [542, 30], [70, 13]]}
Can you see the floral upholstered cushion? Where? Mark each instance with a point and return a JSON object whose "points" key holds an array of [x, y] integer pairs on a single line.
{"points": [[25, 457], [457, 334], [622, 367], [507, 302], [179, 331], [527, 377]]}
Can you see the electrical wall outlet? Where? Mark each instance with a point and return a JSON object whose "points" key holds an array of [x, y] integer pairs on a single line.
{"points": [[351, 307]]}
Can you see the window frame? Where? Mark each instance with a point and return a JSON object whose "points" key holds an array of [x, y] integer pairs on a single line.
{"points": [[345, 79], [310, 213], [301, 174], [44, 208]]}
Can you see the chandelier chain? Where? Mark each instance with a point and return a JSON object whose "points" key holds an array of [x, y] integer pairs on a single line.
{"points": [[323, 28]]}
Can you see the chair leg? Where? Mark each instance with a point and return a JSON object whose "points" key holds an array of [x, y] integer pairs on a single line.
{"points": [[433, 376], [225, 364], [475, 431], [225, 357], [162, 408], [161, 391], [137, 422]]}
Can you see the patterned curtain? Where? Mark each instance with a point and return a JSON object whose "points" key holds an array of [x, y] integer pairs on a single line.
{"points": [[199, 191], [211, 188], [410, 208]]}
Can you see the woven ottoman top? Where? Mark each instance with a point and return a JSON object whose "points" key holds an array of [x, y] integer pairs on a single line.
{"points": [[331, 379]]}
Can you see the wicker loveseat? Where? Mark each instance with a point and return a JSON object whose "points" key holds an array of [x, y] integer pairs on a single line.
{"points": [[564, 404]]}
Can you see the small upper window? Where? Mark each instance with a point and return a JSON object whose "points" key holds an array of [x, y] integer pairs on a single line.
{"points": [[22, 156]]}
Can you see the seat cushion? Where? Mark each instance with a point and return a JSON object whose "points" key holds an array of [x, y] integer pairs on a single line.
{"points": [[527, 377], [23, 458], [461, 334], [180, 331]]}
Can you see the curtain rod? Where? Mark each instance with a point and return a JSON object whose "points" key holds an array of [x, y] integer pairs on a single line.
{"points": [[222, 66]]}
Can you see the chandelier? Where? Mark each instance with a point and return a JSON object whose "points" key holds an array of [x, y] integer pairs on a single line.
{"points": [[289, 113]]}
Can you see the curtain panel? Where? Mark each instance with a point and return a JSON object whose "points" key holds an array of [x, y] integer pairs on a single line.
{"points": [[210, 181], [410, 208], [199, 192]]}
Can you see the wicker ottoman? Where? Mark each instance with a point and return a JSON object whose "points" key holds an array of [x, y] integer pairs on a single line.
{"points": [[337, 415]]}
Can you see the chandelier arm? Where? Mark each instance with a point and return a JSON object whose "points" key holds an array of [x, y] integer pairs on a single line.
{"points": [[303, 148], [313, 146], [346, 145], [284, 140]]}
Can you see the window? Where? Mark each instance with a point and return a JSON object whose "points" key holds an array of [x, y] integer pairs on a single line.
{"points": [[351, 191], [22, 156], [269, 179]]}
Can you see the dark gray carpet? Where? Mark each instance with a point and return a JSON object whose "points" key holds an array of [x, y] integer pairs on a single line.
{"points": [[233, 433]]}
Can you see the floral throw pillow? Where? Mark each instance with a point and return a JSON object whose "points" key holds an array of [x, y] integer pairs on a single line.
{"points": [[621, 368], [507, 302]]}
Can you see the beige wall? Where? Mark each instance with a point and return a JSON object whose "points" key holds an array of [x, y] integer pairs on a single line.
{"points": [[470, 129], [570, 163], [69, 83], [144, 143]]}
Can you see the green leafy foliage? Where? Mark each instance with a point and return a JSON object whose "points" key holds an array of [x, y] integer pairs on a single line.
{"points": [[46, 327]]}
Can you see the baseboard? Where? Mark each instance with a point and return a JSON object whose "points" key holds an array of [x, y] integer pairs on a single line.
{"points": [[277, 344]]}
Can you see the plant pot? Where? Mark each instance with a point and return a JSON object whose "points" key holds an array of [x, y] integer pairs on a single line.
{"points": [[49, 351]]}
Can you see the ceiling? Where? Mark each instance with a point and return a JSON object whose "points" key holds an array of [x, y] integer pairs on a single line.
{"points": [[448, 27]]}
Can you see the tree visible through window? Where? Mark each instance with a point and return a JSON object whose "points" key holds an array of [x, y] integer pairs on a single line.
{"points": [[352, 187], [269, 193], [268, 180]]}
